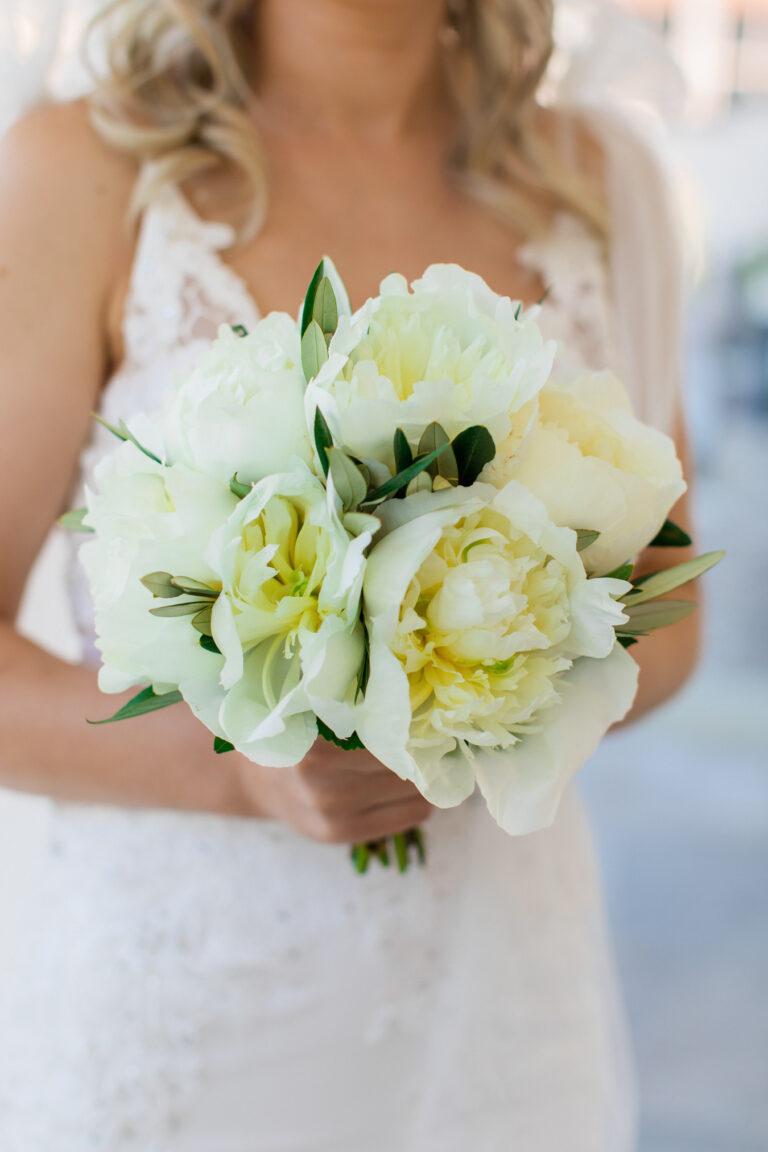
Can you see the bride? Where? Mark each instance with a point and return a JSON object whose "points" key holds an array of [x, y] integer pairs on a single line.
{"points": [[206, 973]]}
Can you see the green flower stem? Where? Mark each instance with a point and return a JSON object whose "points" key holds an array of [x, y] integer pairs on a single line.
{"points": [[362, 854]]}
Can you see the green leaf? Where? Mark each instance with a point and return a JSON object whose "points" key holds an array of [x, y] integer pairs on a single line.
{"points": [[146, 701], [401, 851], [473, 449], [237, 488], [645, 618], [220, 746], [671, 535], [72, 521], [123, 432], [202, 621], [326, 270], [194, 587], [402, 451], [307, 311], [416, 837], [622, 573], [626, 641], [361, 857], [188, 608], [348, 480], [351, 744], [585, 537], [365, 667], [209, 644], [402, 479], [161, 585], [323, 439], [380, 849], [325, 310], [435, 436], [660, 583], [239, 329], [314, 350]]}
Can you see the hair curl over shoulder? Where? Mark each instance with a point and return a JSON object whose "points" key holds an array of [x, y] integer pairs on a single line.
{"points": [[172, 89]]}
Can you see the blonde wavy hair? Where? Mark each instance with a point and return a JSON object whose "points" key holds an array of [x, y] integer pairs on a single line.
{"points": [[172, 89]]}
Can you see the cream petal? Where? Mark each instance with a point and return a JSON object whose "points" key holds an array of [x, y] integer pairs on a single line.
{"points": [[522, 787]]}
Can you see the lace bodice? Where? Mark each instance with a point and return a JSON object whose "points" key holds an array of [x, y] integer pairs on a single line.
{"points": [[182, 290], [191, 975]]}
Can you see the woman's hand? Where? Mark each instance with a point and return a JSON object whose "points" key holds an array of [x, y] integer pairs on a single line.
{"points": [[334, 797]]}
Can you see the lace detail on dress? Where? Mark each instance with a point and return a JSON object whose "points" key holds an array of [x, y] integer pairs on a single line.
{"points": [[576, 311], [199, 984]]}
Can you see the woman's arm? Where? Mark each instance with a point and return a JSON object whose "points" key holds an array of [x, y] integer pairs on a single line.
{"points": [[63, 242], [668, 657], [63, 245]]}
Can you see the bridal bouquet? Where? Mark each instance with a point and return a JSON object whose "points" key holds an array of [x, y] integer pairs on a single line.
{"points": [[393, 529]]}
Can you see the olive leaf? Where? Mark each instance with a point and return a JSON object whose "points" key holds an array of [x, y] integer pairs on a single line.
{"points": [[325, 310], [473, 449], [146, 701], [209, 644], [671, 535], [72, 521], [403, 455], [161, 585], [323, 439], [202, 621], [220, 746], [352, 743], [622, 573], [325, 300], [348, 480], [421, 483], [123, 432], [314, 350], [188, 608], [194, 587], [585, 537], [660, 583], [237, 488], [401, 450], [403, 478], [645, 618], [435, 436]]}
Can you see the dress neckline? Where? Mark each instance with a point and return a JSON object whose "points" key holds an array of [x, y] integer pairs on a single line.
{"points": [[535, 254]]}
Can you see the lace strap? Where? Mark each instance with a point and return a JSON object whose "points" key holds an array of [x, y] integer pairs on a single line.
{"points": [[181, 289], [570, 262], [647, 273]]}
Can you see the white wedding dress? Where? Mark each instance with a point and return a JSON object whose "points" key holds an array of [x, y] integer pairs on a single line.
{"points": [[200, 984]]}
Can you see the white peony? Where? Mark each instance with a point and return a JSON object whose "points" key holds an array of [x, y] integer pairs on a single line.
{"points": [[149, 518], [449, 350], [241, 408], [487, 640], [287, 621], [595, 466]]}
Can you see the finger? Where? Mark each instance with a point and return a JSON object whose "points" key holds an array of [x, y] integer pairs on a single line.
{"points": [[327, 759], [387, 820]]}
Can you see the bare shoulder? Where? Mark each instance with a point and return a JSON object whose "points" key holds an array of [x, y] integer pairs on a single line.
{"points": [[58, 177]]}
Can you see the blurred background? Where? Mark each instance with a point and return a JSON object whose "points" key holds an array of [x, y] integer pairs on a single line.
{"points": [[680, 802]]}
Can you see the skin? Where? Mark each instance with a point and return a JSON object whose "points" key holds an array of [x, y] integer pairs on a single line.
{"points": [[355, 138]]}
